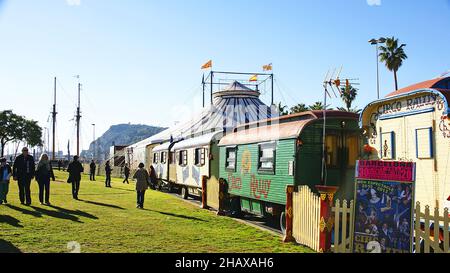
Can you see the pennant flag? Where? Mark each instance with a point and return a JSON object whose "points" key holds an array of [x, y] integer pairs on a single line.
{"points": [[207, 65], [267, 67], [254, 78]]}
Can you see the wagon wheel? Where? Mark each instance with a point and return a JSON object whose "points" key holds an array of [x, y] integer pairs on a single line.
{"points": [[283, 222], [184, 193]]}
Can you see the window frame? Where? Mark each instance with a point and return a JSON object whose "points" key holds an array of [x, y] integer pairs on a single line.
{"points": [[183, 158], [393, 145], [163, 157], [430, 140], [227, 153], [200, 161], [155, 158], [261, 147]]}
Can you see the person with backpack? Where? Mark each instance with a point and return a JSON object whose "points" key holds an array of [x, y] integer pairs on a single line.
{"points": [[5, 175], [142, 182], [75, 169], [44, 173]]}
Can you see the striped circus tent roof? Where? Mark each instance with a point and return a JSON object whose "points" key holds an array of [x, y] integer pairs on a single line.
{"points": [[234, 105]]}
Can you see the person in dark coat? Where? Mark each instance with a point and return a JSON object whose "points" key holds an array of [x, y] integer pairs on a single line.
{"points": [[153, 179], [126, 172], [92, 168], [108, 171], [5, 175], [60, 163], [23, 173], [44, 172], [142, 178], [75, 169]]}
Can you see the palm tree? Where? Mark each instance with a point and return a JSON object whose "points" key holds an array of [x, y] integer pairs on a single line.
{"points": [[393, 55], [282, 109], [301, 107], [317, 106], [348, 95]]}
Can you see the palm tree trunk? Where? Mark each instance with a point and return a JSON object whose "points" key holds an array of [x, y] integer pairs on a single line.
{"points": [[395, 78]]}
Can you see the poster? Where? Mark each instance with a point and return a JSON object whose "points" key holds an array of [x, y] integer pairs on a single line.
{"points": [[383, 220]]}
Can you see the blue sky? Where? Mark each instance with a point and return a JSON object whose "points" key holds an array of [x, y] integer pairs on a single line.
{"points": [[139, 60]]}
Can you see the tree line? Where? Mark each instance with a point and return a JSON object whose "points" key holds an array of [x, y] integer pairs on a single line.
{"points": [[16, 128]]}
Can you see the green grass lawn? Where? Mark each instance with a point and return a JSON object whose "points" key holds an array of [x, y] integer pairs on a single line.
{"points": [[106, 220]]}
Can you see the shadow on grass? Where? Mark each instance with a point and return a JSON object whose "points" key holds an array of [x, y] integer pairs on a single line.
{"points": [[7, 247], [177, 215], [57, 214], [74, 212], [25, 211], [10, 220], [102, 204]]}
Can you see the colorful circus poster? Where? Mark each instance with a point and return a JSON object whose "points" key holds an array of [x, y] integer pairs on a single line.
{"points": [[383, 214]]}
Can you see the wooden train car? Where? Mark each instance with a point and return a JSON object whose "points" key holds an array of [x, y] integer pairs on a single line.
{"points": [[260, 159], [412, 124], [196, 157]]}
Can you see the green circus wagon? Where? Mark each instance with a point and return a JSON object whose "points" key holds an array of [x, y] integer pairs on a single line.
{"points": [[258, 160]]}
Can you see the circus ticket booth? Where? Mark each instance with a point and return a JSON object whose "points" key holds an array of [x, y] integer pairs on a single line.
{"points": [[412, 124]]}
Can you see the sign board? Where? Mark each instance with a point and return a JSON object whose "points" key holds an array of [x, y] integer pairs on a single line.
{"points": [[384, 205]]}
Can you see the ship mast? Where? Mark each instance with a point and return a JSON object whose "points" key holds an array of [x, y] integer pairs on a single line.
{"points": [[54, 121]]}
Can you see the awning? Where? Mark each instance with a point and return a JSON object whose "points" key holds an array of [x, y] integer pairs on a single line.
{"points": [[162, 148], [196, 141]]}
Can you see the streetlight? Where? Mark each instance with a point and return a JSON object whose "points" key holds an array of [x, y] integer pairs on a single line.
{"points": [[93, 126], [376, 42]]}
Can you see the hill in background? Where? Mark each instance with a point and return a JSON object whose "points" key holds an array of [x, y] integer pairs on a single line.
{"points": [[120, 135]]}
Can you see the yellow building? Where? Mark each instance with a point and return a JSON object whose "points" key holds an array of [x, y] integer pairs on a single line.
{"points": [[412, 124]]}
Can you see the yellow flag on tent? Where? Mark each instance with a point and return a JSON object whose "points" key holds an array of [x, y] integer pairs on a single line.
{"points": [[207, 65], [267, 67], [254, 78]]}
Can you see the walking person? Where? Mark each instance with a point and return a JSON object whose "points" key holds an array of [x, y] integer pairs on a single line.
{"points": [[75, 169], [153, 179], [44, 172], [23, 173], [92, 168], [108, 171], [141, 177], [59, 164], [5, 175], [126, 172]]}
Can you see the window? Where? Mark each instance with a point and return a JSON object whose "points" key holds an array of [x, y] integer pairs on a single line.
{"points": [[200, 155], [155, 158], [267, 157], [163, 157], [182, 158], [353, 150], [424, 143], [388, 145], [230, 163], [332, 150]]}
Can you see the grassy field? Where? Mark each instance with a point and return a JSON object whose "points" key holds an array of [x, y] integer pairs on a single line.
{"points": [[106, 220]]}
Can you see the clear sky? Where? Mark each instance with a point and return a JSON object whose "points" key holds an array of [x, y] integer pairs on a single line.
{"points": [[139, 60]]}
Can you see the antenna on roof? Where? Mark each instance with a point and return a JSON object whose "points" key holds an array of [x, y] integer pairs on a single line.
{"points": [[444, 74], [331, 80]]}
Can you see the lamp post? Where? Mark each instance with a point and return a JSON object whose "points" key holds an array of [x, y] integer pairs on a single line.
{"points": [[376, 42], [93, 142]]}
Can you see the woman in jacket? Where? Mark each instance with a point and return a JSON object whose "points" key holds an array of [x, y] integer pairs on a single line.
{"points": [[141, 177], [5, 175], [44, 172]]}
